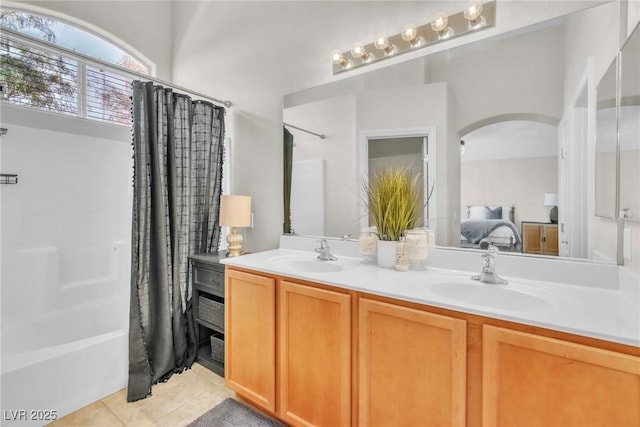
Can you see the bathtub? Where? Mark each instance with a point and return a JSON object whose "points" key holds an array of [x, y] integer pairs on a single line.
{"points": [[62, 361]]}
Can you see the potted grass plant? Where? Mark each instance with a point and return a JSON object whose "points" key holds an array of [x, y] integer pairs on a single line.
{"points": [[392, 198]]}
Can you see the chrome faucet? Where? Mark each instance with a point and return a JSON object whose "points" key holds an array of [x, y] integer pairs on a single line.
{"points": [[324, 254], [488, 274]]}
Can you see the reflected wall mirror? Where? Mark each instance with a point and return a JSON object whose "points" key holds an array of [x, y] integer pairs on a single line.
{"points": [[606, 143], [521, 109], [629, 132]]}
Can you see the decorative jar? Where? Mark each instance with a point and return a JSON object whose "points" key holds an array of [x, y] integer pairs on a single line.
{"points": [[417, 247], [368, 243]]}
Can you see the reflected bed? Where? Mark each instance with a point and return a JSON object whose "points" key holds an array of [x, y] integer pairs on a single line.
{"points": [[486, 225]]}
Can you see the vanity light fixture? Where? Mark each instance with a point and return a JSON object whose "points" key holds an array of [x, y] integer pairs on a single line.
{"points": [[359, 51], [440, 24], [442, 27], [381, 41]]}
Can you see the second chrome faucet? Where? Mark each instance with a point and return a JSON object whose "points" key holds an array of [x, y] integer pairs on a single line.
{"points": [[488, 274], [324, 254]]}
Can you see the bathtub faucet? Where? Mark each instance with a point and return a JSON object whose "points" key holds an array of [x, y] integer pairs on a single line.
{"points": [[324, 254], [488, 274]]}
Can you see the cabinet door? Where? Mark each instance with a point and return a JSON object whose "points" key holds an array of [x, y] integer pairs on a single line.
{"points": [[531, 238], [551, 239], [250, 337], [538, 381], [315, 355], [412, 367]]}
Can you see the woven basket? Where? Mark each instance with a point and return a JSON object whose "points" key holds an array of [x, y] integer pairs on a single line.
{"points": [[217, 349], [211, 311]]}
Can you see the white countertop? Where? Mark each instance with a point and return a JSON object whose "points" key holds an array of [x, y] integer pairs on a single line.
{"points": [[603, 313]]}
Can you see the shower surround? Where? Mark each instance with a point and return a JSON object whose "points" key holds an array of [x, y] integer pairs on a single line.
{"points": [[65, 263]]}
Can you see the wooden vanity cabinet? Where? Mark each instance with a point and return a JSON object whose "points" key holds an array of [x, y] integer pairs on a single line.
{"points": [[314, 359], [289, 348], [411, 367], [311, 354], [250, 337], [539, 381]]}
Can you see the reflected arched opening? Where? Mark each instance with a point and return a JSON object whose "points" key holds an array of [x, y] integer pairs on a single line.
{"points": [[509, 183]]}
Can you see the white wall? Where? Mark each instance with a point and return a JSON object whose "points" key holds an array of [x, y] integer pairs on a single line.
{"points": [[415, 107], [501, 182], [581, 42], [506, 77], [66, 224], [336, 119], [307, 207]]}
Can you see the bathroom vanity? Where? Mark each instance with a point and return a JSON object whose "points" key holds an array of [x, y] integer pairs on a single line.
{"points": [[346, 343]]}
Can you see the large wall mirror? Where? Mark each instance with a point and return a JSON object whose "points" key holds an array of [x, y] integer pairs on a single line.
{"points": [[629, 123], [606, 143], [500, 109]]}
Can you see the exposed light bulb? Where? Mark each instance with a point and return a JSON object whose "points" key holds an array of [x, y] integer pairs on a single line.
{"points": [[411, 35], [381, 41], [409, 32], [337, 57], [439, 22], [473, 12], [439, 25], [359, 51]]}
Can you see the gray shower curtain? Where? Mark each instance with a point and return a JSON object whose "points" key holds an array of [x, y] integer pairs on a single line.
{"points": [[178, 152], [287, 145]]}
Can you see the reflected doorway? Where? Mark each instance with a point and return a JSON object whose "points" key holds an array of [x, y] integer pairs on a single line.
{"points": [[413, 149]]}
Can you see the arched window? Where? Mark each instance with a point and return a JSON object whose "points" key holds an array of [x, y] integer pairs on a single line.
{"points": [[53, 66]]}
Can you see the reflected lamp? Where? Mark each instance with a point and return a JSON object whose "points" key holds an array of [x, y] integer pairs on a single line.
{"points": [[551, 199]]}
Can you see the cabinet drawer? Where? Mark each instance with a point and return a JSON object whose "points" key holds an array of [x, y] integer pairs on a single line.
{"points": [[212, 280]]}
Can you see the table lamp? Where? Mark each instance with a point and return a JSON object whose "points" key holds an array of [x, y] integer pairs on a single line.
{"points": [[235, 211], [551, 199]]}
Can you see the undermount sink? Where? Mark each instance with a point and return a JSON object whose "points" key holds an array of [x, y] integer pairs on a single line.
{"points": [[489, 295], [309, 264]]}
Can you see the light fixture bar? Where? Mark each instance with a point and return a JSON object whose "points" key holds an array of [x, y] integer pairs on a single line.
{"points": [[456, 25]]}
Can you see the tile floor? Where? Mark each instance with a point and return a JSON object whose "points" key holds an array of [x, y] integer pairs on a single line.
{"points": [[177, 402]]}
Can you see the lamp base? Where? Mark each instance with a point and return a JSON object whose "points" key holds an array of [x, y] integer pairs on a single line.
{"points": [[234, 243]]}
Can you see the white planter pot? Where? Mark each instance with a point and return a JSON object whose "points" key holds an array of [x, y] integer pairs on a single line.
{"points": [[386, 253]]}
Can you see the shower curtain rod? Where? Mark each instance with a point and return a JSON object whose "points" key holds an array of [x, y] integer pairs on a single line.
{"points": [[86, 58], [319, 135]]}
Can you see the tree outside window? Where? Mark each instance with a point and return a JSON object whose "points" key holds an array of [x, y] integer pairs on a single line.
{"points": [[47, 80]]}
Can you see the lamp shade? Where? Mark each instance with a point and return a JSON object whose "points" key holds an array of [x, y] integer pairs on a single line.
{"points": [[551, 199], [235, 211]]}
